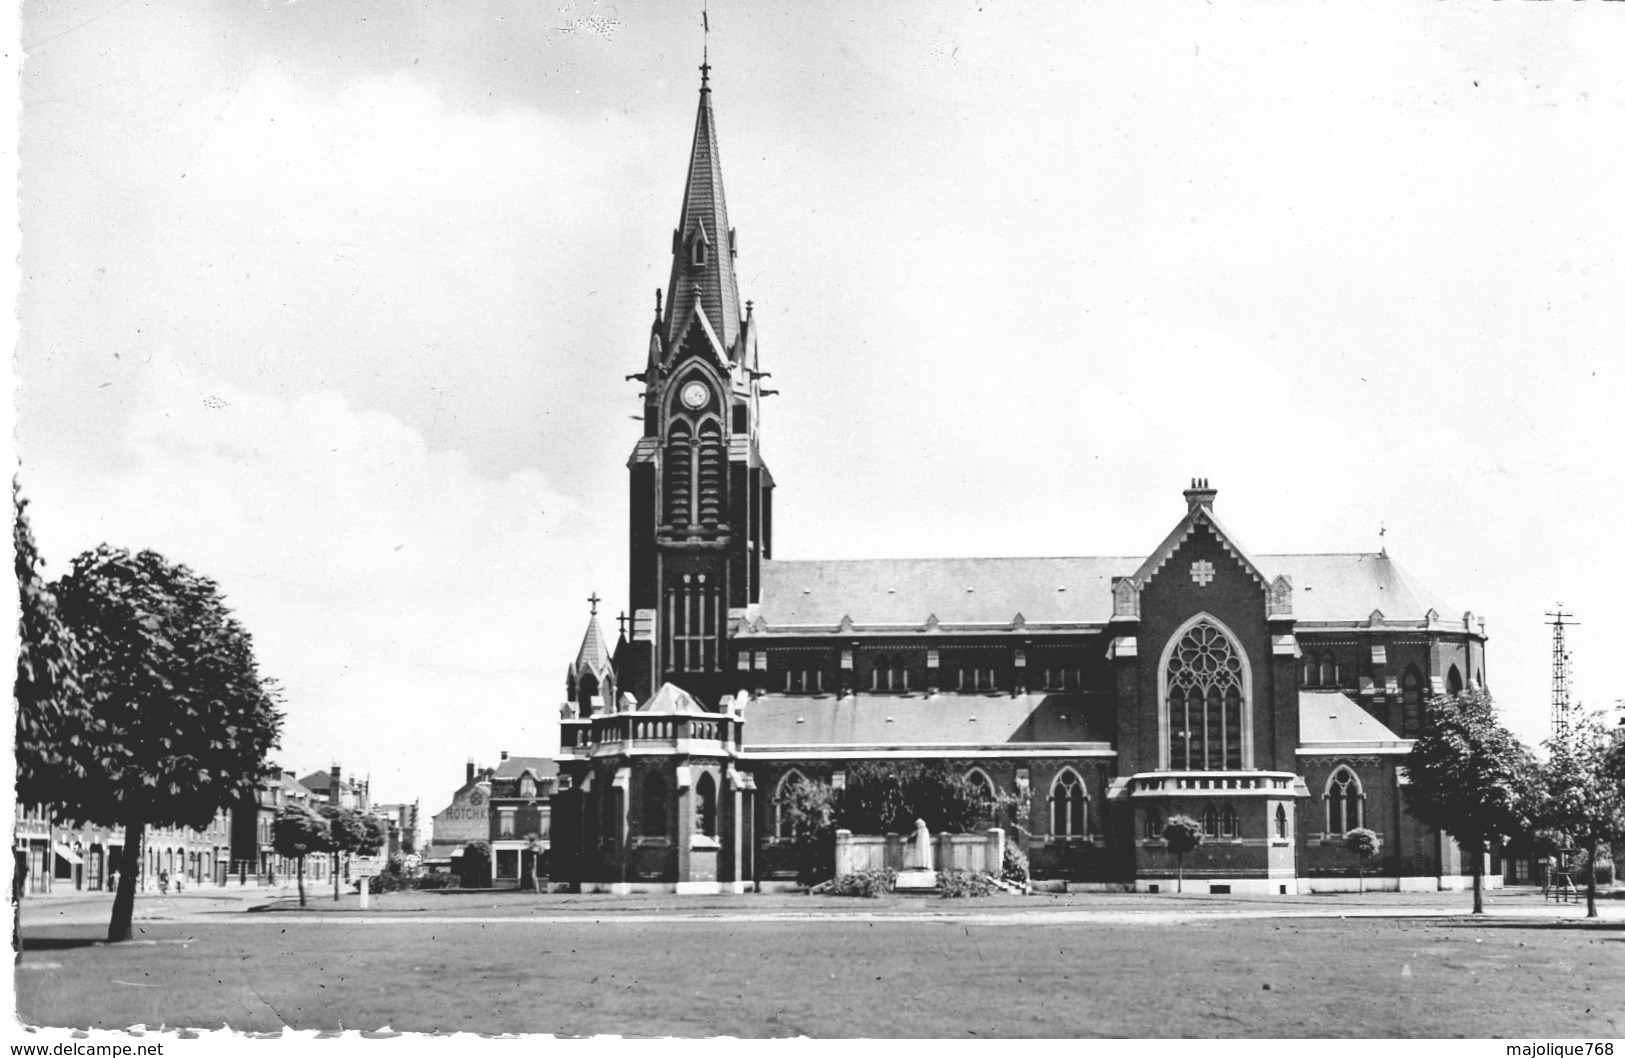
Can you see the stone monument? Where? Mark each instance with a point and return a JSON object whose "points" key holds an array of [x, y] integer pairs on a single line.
{"points": [[917, 872]]}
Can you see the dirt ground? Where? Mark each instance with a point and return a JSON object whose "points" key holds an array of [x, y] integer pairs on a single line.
{"points": [[787, 966]]}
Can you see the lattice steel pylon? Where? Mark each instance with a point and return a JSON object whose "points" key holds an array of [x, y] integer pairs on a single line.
{"points": [[1561, 708]]}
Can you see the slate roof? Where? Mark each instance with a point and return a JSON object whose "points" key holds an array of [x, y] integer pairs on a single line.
{"points": [[322, 783], [1349, 587], [672, 699], [1331, 716], [513, 767], [593, 656], [898, 722], [704, 208], [905, 591], [992, 591]]}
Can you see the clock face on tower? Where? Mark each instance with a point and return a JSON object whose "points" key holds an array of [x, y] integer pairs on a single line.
{"points": [[694, 395]]}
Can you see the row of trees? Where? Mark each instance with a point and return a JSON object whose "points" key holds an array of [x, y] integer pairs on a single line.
{"points": [[139, 701], [1471, 777], [301, 831]]}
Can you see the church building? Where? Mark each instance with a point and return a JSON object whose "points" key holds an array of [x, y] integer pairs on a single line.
{"points": [[1270, 697]]}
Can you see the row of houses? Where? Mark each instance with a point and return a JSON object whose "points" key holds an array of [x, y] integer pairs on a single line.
{"points": [[236, 847]]}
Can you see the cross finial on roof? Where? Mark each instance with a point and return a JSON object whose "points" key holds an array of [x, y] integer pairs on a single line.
{"points": [[705, 52], [595, 600], [621, 620]]}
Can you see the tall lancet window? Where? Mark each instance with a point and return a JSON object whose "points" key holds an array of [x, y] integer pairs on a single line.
{"points": [[711, 470], [694, 624], [1205, 684], [679, 470]]}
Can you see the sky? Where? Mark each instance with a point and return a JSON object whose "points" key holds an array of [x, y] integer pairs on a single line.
{"points": [[333, 302]]}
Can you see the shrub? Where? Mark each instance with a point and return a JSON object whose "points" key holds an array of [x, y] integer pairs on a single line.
{"points": [[1582, 868], [965, 883], [390, 882], [864, 883], [1015, 867], [436, 881]]}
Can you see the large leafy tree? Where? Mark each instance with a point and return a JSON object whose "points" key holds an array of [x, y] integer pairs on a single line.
{"points": [[1581, 799], [182, 718], [53, 720], [886, 798], [1470, 777], [299, 832]]}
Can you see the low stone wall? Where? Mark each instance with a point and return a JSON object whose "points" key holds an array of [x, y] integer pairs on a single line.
{"points": [[963, 852]]}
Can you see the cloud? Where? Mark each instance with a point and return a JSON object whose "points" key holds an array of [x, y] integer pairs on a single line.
{"points": [[398, 592], [289, 236]]}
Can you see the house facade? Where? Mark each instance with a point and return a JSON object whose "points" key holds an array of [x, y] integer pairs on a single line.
{"points": [[1270, 697]]}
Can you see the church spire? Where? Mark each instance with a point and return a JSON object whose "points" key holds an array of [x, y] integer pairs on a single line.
{"points": [[593, 658], [702, 267]]}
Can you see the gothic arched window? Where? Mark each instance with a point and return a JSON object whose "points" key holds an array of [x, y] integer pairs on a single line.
{"points": [[1328, 670], [705, 805], [1069, 805], [1153, 824], [712, 463], [679, 474], [783, 824], [1280, 821], [1205, 699], [982, 789], [1453, 680], [1345, 802], [1311, 670], [1229, 824], [1210, 822]]}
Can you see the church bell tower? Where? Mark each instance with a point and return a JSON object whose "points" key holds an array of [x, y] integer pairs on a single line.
{"points": [[701, 510]]}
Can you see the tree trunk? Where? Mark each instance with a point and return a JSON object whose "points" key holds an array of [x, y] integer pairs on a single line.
{"points": [[1591, 878], [301, 881], [1478, 877], [1362, 875], [335, 876], [1180, 888], [124, 901]]}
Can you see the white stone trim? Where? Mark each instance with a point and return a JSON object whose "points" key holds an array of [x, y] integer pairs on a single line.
{"points": [[1068, 750], [1340, 749], [679, 888], [1251, 886]]}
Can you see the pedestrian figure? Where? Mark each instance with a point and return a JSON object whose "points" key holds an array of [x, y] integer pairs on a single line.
{"points": [[163, 882]]}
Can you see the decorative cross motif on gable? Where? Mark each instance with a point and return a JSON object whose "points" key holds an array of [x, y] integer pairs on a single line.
{"points": [[1202, 573]]}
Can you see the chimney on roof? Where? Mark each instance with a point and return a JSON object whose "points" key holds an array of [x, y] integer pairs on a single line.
{"points": [[334, 785], [1199, 494], [470, 777], [504, 754]]}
